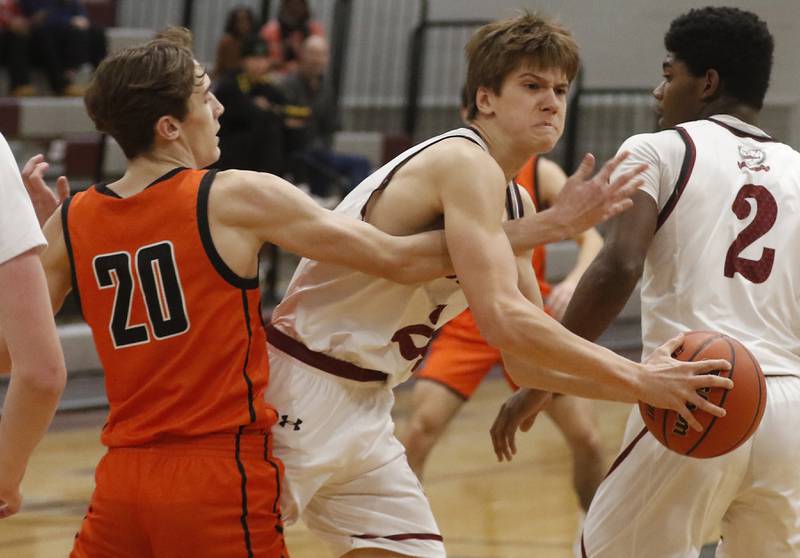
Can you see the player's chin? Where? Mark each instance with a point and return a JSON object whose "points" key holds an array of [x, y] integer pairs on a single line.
{"points": [[544, 142]]}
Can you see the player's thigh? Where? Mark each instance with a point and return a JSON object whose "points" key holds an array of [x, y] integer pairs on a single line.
{"points": [[655, 502], [434, 405], [383, 508], [764, 520]]}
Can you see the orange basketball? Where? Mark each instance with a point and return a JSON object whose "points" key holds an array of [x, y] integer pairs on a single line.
{"points": [[744, 403]]}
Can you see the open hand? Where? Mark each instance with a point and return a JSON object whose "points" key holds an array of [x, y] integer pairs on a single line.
{"points": [[44, 200], [518, 412], [587, 200]]}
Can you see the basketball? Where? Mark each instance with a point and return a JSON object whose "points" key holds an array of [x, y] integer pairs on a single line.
{"points": [[744, 403]]}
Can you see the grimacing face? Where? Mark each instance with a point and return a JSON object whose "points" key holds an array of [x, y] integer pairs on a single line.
{"points": [[532, 106]]}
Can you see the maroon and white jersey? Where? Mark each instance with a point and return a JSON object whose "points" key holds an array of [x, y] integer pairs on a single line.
{"points": [[724, 256], [372, 323]]}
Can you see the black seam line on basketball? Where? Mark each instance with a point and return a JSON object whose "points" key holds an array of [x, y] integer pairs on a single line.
{"points": [[251, 408], [204, 229], [73, 277], [721, 401], [388, 178], [243, 475], [761, 393], [626, 452], [683, 177], [277, 473], [450, 388]]}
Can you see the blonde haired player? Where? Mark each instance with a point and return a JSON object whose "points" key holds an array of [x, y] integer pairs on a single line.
{"points": [[340, 340]]}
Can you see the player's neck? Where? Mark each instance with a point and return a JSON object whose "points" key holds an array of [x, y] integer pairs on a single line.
{"points": [[144, 170], [725, 105], [509, 153]]}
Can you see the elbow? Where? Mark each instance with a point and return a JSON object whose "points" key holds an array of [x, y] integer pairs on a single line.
{"points": [[399, 269], [46, 379], [619, 269], [495, 327]]}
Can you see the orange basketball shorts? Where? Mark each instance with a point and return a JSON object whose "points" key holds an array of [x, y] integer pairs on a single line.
{"points": [[215, 496]]}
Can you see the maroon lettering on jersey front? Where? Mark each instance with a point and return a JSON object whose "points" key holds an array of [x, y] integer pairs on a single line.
{"points": [[758, 270], [405, 341]]}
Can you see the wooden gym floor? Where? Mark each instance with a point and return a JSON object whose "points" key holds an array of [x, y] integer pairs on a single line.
{"points": [[485, 509]]}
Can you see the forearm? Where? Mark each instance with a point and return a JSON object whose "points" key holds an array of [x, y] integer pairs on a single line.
{"points": [[589, 245], [600, 296], [537, 229], [535, 377], [535, 337], [28, 409]]}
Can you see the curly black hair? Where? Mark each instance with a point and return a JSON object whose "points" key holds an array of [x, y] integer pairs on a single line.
{"points": [[736, 43]]}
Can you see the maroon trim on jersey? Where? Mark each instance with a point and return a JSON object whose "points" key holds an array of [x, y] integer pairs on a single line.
{"points": [[385, 182], [626, 452], [741, 133], [403, 537], [321, 361], [683, 178], [583, 548]]}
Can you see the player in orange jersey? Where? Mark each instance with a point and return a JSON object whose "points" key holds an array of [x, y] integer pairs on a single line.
{"points": [[460, 358], [164, 264]]}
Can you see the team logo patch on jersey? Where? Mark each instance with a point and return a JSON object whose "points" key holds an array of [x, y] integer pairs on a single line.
{"points": [[752, 158]]}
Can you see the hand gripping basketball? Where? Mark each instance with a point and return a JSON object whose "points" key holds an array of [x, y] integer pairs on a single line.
{"points": [[675, 384], [744, 404]]}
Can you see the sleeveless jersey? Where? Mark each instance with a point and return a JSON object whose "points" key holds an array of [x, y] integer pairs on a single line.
{"points": [[724, 256], [366, 321], [178, 333], [528, 178]]}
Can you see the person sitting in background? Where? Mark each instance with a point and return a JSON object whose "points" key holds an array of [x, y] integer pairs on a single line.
{"points": [[241, 22], [64, 40], [286, 33], [15, 48], [312, 118], [251, 129]]}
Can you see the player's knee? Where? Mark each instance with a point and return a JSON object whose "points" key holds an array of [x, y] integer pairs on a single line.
{"points": [[424, 426], [586, 442]]}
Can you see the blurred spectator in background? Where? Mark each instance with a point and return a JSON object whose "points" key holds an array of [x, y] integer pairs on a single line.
{"points": [[64, 40], [241, 23], [251, 128], [15, 48], [286, 34], [312, 117]]}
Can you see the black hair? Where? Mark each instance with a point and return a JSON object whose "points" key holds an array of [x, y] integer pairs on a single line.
{"points": [[736, 43], [230, 22]]}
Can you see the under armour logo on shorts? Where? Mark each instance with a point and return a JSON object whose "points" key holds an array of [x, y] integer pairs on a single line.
{"points": [[285, 420]]}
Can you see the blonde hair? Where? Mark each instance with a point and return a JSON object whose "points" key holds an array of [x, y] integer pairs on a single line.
{"points": [[500, 47]]}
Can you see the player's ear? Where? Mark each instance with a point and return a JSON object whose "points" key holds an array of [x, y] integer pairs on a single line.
{"points": [[167, 128], [711, 85], [483, 100]]}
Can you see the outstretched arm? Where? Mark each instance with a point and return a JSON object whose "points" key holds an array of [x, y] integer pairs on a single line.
{"points": [[266, 208], [37, 375]]}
